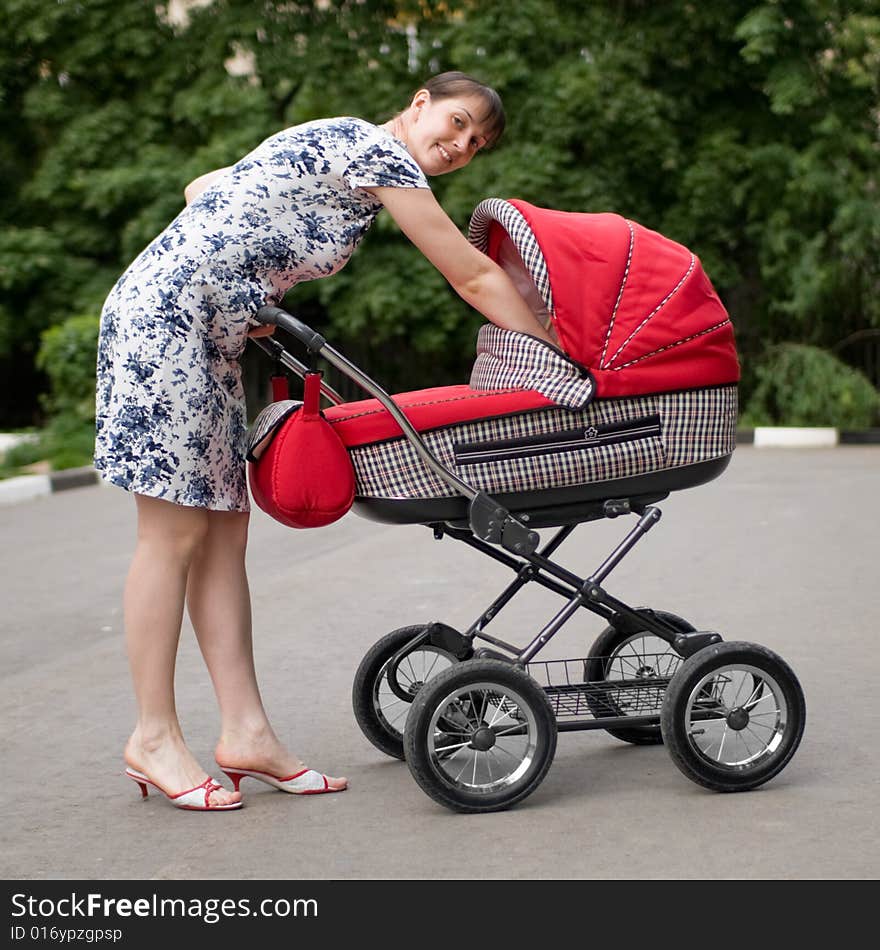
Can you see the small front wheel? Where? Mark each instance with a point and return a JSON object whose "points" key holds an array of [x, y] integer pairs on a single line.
{"points": [[480, 736], [733, 716]]}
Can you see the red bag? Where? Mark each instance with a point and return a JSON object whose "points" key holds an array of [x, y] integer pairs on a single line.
{"points": [[304, 478]]}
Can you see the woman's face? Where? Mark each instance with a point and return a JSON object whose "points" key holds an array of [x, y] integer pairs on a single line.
{"points": [[443, 134]]}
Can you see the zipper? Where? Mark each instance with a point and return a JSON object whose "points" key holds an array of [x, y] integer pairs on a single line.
{"points": [[570, 440]]}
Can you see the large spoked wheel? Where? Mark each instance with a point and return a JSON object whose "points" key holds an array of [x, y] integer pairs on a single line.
{"points": [[641, 657], [733, 716], [380, 707], [480, 736]]}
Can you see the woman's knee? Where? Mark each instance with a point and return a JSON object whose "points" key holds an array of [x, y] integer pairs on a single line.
{"points": [[173, 530], [228, 529]]}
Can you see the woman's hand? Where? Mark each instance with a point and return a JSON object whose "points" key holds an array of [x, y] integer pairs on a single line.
{"points": [[475, 277], [266, 330]]}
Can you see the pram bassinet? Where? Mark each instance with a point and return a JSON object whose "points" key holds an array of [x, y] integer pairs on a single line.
{"points": [[640, 399]]}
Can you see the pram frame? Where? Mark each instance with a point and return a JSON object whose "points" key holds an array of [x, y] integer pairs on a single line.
{"points": [[578, 592], [686, 699], [489, 522]]}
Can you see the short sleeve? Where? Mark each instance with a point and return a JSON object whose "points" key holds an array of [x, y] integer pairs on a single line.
{"points": [[383, 164]]}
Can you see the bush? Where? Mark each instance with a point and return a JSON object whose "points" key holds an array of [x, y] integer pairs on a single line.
{"points": [[67, 356], [68, 442], [25, 452], [800, 385]]}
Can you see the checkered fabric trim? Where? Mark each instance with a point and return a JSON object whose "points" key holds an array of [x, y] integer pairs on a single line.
{"points": [[695, 426], [510, 360], [268, 420], [496, 209], [699, 424]]}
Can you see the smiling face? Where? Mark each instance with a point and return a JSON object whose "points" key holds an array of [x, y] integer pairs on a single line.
{"points": [[443, 135]]}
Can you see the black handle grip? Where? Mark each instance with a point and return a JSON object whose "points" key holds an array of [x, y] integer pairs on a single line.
{"points": [[275, 316]]}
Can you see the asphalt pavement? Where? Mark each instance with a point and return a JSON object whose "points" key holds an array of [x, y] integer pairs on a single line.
{"points": [[782, 550]]}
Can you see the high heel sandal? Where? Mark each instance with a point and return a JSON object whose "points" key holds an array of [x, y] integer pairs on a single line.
{"points": [[195, 799], [306, 782]]}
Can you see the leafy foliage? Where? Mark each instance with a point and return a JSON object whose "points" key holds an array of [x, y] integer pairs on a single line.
{"points": [[800, 385], [747, 130], [67, 357]]}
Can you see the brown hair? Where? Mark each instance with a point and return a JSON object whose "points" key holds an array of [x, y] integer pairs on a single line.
{"points": [[455, 84]]}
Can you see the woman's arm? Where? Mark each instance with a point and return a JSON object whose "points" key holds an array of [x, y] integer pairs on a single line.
{"points": [[475, 277], [198, 185]]}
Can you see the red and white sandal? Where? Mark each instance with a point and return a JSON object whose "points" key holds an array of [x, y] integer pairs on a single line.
{"points": [[306, 782], [195, 799]]}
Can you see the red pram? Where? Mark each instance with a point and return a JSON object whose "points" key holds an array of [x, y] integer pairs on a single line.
{"points": [[640, 399]]}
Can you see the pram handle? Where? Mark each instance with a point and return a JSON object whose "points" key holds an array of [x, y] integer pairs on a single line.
{"points": [[317, 344], [489, 520], [275, 316], [274, 349]]}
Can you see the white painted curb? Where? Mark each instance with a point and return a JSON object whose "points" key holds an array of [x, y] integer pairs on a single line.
{"points": [[27, 487], [795, 437], [24, 488]]}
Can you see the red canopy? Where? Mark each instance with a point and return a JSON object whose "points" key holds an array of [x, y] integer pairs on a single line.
{"points": [[630, 304]]}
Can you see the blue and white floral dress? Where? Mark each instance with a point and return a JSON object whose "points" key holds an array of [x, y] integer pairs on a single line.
{"points": [[171, 419]]}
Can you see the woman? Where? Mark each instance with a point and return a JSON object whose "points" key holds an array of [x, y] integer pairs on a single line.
{"points": [[171, 417]]}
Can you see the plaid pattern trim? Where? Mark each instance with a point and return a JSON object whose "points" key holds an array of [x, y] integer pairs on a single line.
{"points": [[496, 209], [510, 360], [695, 426], [269, 420], [699, 425]]}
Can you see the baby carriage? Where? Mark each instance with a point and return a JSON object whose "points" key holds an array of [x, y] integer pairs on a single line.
{"points": [[638, 400]]}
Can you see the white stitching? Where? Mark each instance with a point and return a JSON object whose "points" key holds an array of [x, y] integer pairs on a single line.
{"points": [[632, 241], [687, 339], [431, 402], [659, 307]]}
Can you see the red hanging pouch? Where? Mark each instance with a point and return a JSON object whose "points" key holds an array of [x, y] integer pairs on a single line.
{"points": [[304, 478]]}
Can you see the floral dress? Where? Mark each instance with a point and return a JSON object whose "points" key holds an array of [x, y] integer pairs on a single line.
{"points": [[171, 420]]}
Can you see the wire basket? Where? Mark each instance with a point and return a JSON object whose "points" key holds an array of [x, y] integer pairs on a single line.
{"points": [[624, 693]]}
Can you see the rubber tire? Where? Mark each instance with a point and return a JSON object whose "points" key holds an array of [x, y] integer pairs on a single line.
{"points": [[675, 727], [415, 737], [370, 669], [595, 669]]}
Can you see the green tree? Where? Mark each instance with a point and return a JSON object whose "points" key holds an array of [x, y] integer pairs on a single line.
{"points": [[747, 129]]}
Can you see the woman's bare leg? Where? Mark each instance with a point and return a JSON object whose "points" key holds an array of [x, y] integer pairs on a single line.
{"points": [[218, 600], [155, 591]]}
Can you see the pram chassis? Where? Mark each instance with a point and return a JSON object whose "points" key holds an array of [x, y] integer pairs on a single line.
{"points": [[678, 693]]}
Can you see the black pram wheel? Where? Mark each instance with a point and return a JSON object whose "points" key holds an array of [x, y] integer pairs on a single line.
{"points": [[733, 716], [619, 654], [480, 736], [381, 711]]}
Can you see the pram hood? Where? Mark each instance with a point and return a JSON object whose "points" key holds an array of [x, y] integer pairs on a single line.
{"points": [[631, 305]]}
